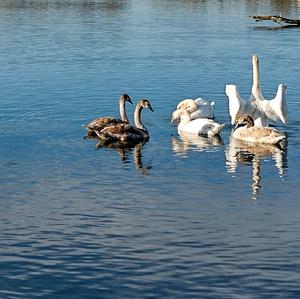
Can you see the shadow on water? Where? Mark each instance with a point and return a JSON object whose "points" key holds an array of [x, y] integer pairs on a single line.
{"points": [[128, 153], [246, 154]]}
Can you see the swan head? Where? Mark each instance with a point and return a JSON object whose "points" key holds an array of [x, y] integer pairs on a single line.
{"points": [[244, 120], [180, 114], [175, 116], [146, 104], [255, 60], [188, 104], [126, 98]]}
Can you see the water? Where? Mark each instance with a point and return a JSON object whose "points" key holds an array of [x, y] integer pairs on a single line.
{"points": [[177, 217]]}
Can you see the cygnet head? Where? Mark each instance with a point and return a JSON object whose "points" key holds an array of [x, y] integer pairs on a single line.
{"points": [[146, 104], [126, 98], [244, 120]]}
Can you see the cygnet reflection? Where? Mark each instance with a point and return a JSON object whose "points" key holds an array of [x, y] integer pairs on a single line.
{"points": [[243, 153], [192, 142], [126, 153]]}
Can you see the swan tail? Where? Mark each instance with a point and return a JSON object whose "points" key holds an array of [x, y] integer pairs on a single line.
{"points": [[217, 129], [278, 104], [277, 139]]}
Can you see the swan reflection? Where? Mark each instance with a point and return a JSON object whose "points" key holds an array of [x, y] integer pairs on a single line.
{"points": [[126, 153], [243, 153], [192, 142]]}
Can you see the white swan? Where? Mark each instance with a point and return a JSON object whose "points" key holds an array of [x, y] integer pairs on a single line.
{"points": [[246, 131], [264, 112], [198, 108], [125, 133], [102, 122], [199, 126]]}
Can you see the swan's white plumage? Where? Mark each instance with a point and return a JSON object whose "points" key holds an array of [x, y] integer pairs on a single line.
{"points": [[198, 108], [264, 112], [199, 126]]}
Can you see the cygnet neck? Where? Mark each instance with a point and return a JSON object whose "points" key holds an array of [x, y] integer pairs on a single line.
{"points": [[137, 117], [122, 109]]}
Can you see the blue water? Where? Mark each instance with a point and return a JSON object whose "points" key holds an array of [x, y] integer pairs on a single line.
{"points": [[176, 217]]}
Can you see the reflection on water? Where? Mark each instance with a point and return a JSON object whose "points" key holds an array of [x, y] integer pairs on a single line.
{"points": [[144, 221], [284, 8], [243, 153], [126, 153], [192, 142], [276, 27], [87, 5]]}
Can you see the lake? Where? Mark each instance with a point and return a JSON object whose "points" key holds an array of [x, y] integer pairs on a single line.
{"points": [[176, 217]]}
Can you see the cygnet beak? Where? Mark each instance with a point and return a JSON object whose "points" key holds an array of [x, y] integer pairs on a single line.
{"points": [[150, 107]]}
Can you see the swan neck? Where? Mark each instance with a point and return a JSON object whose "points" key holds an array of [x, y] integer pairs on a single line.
{"points": [[137, 117], [250, 123], [184, 119], [122, 109], [256, 85]]}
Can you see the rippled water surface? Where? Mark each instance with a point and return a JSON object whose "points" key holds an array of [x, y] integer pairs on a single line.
{"points": [[178, 217]]}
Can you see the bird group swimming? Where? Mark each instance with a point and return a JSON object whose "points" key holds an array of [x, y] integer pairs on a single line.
{"points": [[252, 118], [112, 130]]}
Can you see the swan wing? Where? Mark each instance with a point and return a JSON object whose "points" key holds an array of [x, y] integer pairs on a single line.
{"points": [[203, 112], [101, 122], [236, 104], [218, 128], [211, 129], [201, 101], [201, 107], [259, 134], [202, 126], [206, 108], [278, 104]]}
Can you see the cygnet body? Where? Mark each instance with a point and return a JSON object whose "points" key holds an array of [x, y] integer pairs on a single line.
{"points": [[246, 131], [102, 122], [126, 133]]}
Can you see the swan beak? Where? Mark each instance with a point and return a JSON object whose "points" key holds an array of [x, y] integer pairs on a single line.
{"points": [[237, 125], [129, 100], [151, 108]]}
